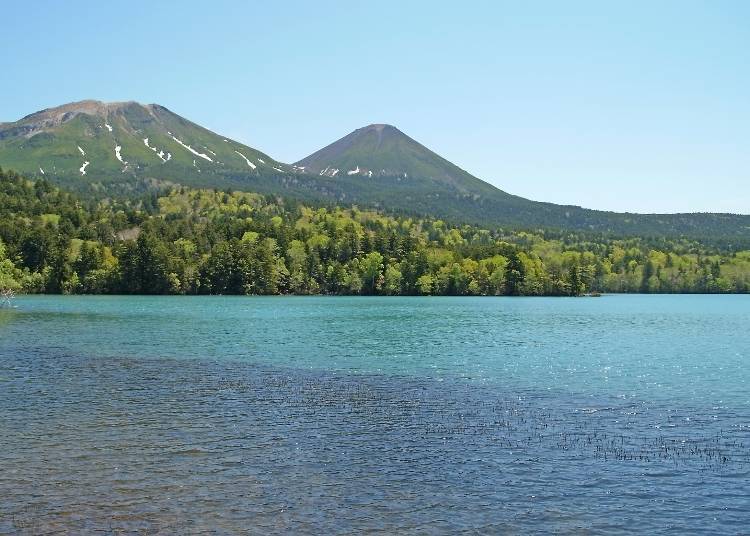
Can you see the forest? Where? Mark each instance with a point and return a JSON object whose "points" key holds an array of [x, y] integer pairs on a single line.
{"points": [[199, 241]]}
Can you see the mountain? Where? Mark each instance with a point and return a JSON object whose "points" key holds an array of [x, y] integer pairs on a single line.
{"points": [[392, 170], [125, 148], [384, 151], [96, 145]]}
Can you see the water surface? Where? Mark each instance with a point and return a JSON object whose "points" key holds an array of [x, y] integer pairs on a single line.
{"points": [[409, 415]]}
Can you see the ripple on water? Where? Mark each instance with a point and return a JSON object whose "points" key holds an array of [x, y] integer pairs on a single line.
{"points": [[186, 446], [404, 415]]}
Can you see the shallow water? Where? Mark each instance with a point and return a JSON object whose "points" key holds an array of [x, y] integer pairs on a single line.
{"points": [[408, 415]]}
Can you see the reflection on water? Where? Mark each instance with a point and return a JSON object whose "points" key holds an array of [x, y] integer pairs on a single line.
{"points": [[104, 443], [7, 314]]}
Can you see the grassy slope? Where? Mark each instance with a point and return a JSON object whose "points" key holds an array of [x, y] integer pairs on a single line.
{"points": [[433, 186], [436, 186], [56, 152]]}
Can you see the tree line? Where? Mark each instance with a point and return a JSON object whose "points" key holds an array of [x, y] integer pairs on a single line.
{"points": [[191, 241]]}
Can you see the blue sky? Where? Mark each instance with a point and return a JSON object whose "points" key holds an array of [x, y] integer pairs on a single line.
{"points": [[628, 106]]}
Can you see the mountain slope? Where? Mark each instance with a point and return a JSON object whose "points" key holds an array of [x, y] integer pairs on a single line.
{"points": [[110, 149], [99, 145], [392, 170], [385, 151]]}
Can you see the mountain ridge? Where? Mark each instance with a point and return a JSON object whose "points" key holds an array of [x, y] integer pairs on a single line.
{"points": [[381, 149], [124, 142], [123, 148]]}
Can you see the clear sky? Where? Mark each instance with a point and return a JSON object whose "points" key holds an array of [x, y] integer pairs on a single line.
{"points": [[637, 106]]}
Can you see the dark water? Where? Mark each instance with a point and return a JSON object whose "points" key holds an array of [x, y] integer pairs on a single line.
{"points": [[339, 415]]}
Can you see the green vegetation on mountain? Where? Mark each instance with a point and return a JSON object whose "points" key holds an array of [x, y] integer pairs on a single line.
{"points": [[393, 171], [384, 151], [191, 241], [376, 167], [76, 146]]}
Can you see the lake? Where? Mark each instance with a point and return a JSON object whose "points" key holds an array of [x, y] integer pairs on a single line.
{"points": [[395, 415]]}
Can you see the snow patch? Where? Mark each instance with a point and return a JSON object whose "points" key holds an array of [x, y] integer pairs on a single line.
{"points": [[41, 171], [329, 171], [118, 148], [279, 170], [261, 161], [83, 167], [160, 154], [353, 171], [210, 151], [246, 159], [369, 174], [108, 127], [196, 153], [83, 153]]}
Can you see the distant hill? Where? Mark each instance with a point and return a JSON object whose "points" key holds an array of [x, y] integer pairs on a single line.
{"points": [[392, 170], [95, 145], [123, 148], [384, 151]]}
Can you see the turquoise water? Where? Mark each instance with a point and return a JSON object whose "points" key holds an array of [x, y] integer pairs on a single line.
{"points": [[409, 415]]}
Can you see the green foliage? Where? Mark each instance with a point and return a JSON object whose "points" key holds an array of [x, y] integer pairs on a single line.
{"points": [[228, 242], [10, 276], [396, 173], [40, 145]]}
